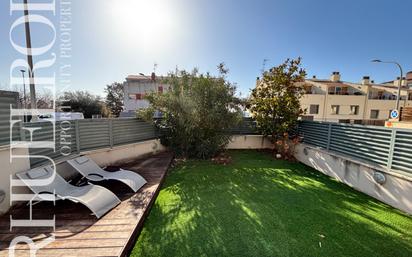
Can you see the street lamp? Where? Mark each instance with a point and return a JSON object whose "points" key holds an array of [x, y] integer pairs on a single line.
{"points": [[400, 82]]}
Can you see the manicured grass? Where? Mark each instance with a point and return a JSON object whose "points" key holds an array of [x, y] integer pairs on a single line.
{"points": [[258, 206]]}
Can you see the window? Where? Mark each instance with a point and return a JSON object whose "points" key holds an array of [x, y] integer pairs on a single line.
{"points": [[138, 96], [354, 109], [374, 114], [132, 96], [335, 109], [410, 96], [338, 90], [314, 109]]}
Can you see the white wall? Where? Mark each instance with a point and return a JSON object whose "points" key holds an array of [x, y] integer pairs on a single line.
{"points": [[107, 156], [249, 142], [396, 191], [142, 87]]}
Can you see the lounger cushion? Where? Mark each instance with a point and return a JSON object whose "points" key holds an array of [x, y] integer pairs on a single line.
{"points": [[37, 173], [81, 160]]}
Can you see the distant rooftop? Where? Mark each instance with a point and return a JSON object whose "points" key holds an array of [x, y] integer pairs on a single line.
{"points": [[335, 80], [141, 77]]}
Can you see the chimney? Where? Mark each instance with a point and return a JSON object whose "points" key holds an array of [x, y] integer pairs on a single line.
{"points": [[365, 80], [153, 76], [335, 77], [398, 80]]}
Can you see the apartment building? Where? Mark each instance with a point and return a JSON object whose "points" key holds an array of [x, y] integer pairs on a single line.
{"points": [[137, 86], [339, 101]]}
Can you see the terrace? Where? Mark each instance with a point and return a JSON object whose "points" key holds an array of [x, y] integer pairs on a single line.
{"points": [[81, 234], [254, 206]]}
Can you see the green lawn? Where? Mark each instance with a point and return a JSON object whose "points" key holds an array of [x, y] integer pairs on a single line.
{"points": [[258, 206]]}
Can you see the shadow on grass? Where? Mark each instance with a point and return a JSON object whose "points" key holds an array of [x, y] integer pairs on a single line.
{"points": [[263, 207]]}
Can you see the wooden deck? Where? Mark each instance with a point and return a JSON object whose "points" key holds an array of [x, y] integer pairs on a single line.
{"points": [[78, 233]]}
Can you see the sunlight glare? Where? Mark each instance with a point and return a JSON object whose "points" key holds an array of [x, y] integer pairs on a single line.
{"points": [[144, 23]]}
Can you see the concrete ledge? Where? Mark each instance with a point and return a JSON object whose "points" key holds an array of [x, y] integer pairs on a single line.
{"points": [[396, 191], [124, 153], [249, 142]]}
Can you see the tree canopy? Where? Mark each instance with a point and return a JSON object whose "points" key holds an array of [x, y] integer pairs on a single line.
{"points": [[275, 102], [82, 101], [114, 98], [198, 110]]}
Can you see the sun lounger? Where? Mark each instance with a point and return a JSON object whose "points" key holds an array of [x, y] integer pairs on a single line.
{"points": [[90, 170], [98, 199]]}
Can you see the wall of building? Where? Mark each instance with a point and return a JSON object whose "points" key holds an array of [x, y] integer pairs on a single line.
{"points": [[313, 99], [384, 107], [396, 191], [140, 87], [344, 102], [325, 101]]}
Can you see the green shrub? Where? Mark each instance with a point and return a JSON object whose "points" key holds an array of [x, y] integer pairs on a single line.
{"points": [[275, 102], [198, 111]]}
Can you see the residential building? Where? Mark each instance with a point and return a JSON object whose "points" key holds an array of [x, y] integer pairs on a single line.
{"points": [[339, 101], [137, 86], [365, 102]]}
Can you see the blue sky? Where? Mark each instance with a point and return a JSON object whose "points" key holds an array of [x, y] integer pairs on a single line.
{"points": [[114, 38]]}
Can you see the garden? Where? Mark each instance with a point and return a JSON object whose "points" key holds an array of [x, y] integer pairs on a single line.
{"points": [[259, 206], [216, 202]]}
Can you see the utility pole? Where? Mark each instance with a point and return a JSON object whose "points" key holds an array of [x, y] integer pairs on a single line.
{"points": [[30, 57], [24, 94], [24, 89]]}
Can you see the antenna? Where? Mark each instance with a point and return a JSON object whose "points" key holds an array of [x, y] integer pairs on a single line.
{"points": [[264, 65], [154, 67]]}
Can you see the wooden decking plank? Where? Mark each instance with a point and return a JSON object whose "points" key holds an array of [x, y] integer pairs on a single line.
{"points": [[85, 235], [77, 244], [83, 252], [80, 234]]}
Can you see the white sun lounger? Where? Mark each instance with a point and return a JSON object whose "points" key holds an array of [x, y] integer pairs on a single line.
{"points": [[97, 198], [90, 170]]}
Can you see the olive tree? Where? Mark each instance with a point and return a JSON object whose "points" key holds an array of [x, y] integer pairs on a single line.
{"points": [[198, 111]]}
